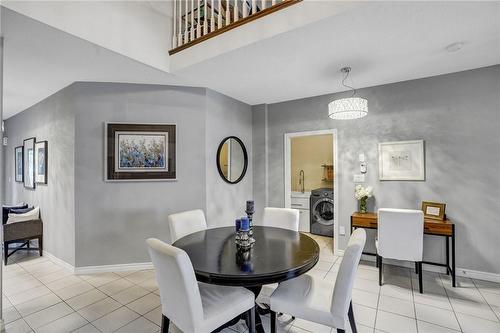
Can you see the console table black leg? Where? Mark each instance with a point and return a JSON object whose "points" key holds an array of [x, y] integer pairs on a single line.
{"points": [[453, 269], [447, 255]]}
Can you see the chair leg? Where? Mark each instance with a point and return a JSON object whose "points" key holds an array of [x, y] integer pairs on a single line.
{"points": [[165, 322], [251, 320], [40, 245], [420, 282], [416, 267], [5, 252], [379, 259], [350, 313], [340, 331], [273, 321]]}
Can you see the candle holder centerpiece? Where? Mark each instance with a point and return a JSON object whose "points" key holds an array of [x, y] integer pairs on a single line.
{"points": [[243, 239], [250, 210]]}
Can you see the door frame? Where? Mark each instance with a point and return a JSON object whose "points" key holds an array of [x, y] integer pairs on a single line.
{"points": [[288, 186]]}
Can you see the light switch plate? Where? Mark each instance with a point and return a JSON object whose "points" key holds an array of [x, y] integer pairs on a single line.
{"points": [[342, 230], [362, 157], [358, 178]]}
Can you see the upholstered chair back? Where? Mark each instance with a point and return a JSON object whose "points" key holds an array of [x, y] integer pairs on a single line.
{"points": [[285, 218], [185, 223], [179, 292], [342, 292], [400, 234]]}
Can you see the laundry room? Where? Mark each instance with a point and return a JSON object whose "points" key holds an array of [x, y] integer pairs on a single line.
{"points": [[310, 179]]}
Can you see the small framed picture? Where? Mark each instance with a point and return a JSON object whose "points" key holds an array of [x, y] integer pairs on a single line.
{"points": [[41, 162], [29, 163], [402, 160], [434, 210], [19, 166]]}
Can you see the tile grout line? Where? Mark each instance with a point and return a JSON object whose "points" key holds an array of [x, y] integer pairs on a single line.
{"points": [[451, 304], [484, 298]]}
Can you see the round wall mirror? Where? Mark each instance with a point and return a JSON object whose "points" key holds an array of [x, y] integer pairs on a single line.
{"points": [[232, 159]]}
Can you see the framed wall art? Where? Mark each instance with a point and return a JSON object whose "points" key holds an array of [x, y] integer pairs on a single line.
{"points": [[18, 164], [29, 163], [434, 210], [140, 152], [41, 162], [402, 160]]}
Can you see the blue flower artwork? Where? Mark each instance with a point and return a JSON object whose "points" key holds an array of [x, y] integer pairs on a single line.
{"points": [[142, 151]]}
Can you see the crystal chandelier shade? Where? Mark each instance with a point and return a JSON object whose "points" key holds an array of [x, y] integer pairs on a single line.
{"points": [[348, 108]]}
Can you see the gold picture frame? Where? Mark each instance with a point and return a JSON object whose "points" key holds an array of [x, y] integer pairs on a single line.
{"points": [[434, 210]]}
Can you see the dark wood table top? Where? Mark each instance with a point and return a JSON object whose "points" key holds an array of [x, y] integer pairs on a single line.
{"points": [[277, 255]]}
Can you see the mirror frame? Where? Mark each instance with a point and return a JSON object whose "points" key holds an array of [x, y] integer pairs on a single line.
{"points": [[245, 156]]}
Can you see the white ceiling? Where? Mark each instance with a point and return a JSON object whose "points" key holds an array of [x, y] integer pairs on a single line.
{"points": [[40, 60], [383, 42]]}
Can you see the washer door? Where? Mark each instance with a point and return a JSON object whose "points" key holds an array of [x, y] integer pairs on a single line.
{"points": [[323, 211]]}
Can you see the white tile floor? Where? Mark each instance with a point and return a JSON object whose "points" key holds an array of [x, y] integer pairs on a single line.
{"points": [[40, 296]]}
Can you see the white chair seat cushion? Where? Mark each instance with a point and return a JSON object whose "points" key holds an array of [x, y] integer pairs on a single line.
{"points": [[223, 303], [306, 297], [33, 214], [264, 296]]}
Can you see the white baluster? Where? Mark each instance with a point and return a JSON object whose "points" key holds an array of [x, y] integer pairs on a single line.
{"points": [[245, 8], [273, 2], [219, 14], [186, 31], [198, 29], [192, 36], [263, 5], [174, 33], [254, 6], [205, 17], [212, 18], [228, 14], [236, 12], [179, 19]]}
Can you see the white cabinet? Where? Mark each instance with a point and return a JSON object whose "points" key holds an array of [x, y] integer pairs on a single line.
{"points": [[300, 201]]}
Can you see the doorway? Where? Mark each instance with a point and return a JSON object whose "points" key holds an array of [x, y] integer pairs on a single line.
{"points": [[310, 160]]}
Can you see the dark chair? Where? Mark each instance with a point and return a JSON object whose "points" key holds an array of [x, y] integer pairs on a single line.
{"points": [[21, 233]]}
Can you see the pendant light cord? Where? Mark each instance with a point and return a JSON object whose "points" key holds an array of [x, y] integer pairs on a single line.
{"points": [[347, 71]]}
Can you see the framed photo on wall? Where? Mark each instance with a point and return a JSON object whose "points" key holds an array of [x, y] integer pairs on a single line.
{"points": [[402, 160], [29, 163], [140, 152], [41, 162], [18, 164]]}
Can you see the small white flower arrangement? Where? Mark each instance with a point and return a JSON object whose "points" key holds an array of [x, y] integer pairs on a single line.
{"points": [[362, 194]]}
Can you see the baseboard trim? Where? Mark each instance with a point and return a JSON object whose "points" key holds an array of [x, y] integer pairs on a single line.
{"points": [[113, 268], [58, 261], [463, 272]]}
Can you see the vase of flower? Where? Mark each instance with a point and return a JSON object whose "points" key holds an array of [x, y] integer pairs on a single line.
{"points": [[362, 194]]}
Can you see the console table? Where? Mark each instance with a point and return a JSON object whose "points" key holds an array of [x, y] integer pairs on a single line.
{"points": [[444, 228]]}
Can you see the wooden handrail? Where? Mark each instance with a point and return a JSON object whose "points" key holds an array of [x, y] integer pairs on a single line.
{"points": [[235, 24]]}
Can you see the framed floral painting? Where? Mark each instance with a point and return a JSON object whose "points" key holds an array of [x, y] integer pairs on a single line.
{"points": [[18, 164], [140, 152], [41, 162]]}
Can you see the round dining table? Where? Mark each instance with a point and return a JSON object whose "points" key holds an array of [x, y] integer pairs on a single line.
{"points": [[276, 256]]}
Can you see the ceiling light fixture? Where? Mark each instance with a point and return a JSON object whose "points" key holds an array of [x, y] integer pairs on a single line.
{"points": [[348, 108]]}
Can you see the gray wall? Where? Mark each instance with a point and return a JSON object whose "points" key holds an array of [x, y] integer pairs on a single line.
{"points": [[52, 120], [458, 116], [114, 219], [226, 117]]}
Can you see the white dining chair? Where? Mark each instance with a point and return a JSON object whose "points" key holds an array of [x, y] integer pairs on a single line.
{"points": [[286, 218], [321, 301], [185, 223], [400, 236], [194, 307]]}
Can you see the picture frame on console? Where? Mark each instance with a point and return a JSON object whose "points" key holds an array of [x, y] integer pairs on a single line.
{"points": [[29, 163], [18, 164], [434, 210], [140, 152], [402, 160], [41, 162]]}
